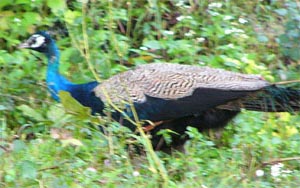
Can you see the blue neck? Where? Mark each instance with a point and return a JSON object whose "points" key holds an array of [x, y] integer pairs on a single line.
{"points": [[83, 93], [55, 81]]}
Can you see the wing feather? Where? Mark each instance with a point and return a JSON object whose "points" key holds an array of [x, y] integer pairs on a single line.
{"points": [[173, 81]]}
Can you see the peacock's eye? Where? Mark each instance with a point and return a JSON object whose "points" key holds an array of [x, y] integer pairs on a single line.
{"points": [[37, 41]]}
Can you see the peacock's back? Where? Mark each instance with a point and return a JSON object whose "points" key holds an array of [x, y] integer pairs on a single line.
{"points": [[173, 81]]}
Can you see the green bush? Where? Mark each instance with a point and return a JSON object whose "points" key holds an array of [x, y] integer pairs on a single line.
{"points": [[41, 145]]}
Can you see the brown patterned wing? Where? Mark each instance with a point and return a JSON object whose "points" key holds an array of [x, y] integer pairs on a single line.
{"points": [[173, 81]]}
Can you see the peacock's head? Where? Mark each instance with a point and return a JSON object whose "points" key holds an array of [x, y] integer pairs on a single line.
{"points": [[39, 41]]}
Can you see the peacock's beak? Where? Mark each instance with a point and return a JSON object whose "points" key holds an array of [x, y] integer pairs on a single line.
{"points": [[24, 44]]}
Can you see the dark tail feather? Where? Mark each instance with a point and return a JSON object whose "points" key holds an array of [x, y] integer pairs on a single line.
{"points": [[270, 99]]}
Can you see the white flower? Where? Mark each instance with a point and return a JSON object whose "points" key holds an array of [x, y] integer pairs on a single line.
{"points": [[230, 46], [91, 169], [190, 33], [259, 173], [200, 39], [275, 173], [166, 32], [135, 173], [227, 31], [213, 13], [287, 171], [233, 30], [214, 5], [17, 20], [143, 48], [180, 3], [228, 17], [83, 1], [242, 20], [179, 18], [243, 36], [276, 169]]}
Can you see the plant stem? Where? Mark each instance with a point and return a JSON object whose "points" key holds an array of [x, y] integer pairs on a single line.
{"points": [[86, 42]]}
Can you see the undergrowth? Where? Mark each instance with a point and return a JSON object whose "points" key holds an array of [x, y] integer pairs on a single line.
{"points": [[42, 144]]}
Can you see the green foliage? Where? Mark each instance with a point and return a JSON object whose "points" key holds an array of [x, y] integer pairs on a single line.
{"points": [[42, 144], [289, 41], [72, 106]]}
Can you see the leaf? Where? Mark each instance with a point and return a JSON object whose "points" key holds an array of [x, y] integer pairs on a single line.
{"points": [[2, 151], [30, 112], [294, 53], [5, 19], [71, 142], [153, 44], [10, 175], [28, 169], [4, 3], [55, 113], [18, 145], [72, 106], [65, 136], [60, 133], [262, 38], [57, 6], [30, 18], [72, 16], [281, 11], [290, 131], [2, 107], [293, 33]]}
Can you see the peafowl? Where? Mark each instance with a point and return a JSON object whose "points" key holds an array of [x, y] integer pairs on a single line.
{"points": [[172, 96]]}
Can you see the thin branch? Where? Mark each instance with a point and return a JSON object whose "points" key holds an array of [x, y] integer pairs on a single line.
{"points": [[122, 29], [4, 148], [25, 99], [287, 82], [53, 167], [274, 161]]}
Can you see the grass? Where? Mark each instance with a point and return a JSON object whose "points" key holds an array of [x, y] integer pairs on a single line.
{"points": [[42, 144]]}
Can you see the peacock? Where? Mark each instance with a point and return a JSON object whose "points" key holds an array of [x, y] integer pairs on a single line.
{"points": [[172, 96]]}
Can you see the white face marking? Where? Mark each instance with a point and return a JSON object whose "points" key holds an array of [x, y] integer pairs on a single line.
{"points": [[38, 41]]}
